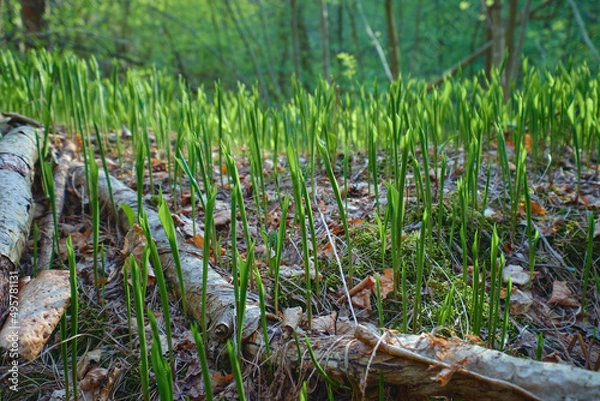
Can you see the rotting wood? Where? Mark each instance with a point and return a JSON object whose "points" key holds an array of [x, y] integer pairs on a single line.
{"points": [[42, 302], [47, 226], [18, 154], [428, 365], [220, 296]]}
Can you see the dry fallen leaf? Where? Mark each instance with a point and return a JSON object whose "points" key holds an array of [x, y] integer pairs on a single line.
{"points": [[520, 301], [134, 243], [590, 201], [561, 295], [84, 363], [221, 218], [198, 240], [528, 139], [292, 318], [386, 283], [536, 208], [98, 383], [518, 275], [324, 324], [221, 380], [362, 299]]}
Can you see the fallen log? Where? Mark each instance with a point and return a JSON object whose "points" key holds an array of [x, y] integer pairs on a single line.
{"points": [[427, 365], [220, 296], [18, 154]]}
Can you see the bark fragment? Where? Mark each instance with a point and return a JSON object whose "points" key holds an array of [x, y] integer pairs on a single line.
{"points": [[42, 303]]}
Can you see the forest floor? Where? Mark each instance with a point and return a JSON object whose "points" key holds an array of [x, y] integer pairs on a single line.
{"points": [[547, 320]]}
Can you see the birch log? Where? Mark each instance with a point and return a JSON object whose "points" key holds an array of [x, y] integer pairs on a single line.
{"points": [[220, 295], [18, 154]]}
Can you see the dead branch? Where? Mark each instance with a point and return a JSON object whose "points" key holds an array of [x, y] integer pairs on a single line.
{"points": [[428, 365], [47, 225], [19, 119], [220, 295]]}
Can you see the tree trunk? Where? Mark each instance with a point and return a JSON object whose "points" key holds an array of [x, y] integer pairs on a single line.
{"points": [[415, 50], [32, 15], [41, 304], [495, 33], [324, 39], [295, 45], [392, 39], [18, 154], [586, 38], [340, 35], [509, 39], [121, 43], [424, 366], [261, 81], [306, 59], [516, 60], [376, 43]]}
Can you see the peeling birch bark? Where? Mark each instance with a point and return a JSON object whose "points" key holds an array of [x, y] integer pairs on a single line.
{"points": [[18, 154], [42, 302], [220, 299]]}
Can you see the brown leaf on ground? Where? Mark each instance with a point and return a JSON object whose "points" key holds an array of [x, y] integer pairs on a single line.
{"points": [[536, 208], [386, 283], [292, 318], [221, 218], [324, 324], [561, 295], [597, 230], [221, 380], [134, 243], [98, 383], [552, 358], [528, 141], [88, 360], [327, 251], [589, 201], [518, 275], [520, 301], [198, 240], [361, 293], [362, 299]]}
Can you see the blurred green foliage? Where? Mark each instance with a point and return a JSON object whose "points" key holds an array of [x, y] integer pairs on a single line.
{"points": [[250, 41]]}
